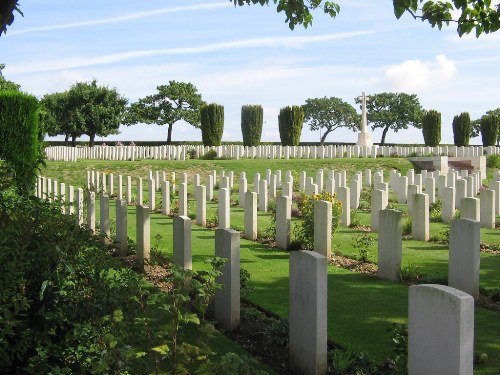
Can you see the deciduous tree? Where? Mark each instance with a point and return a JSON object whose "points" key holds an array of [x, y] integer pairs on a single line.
{"points": [[173, 102], [328, 114], [393, 111], [6, 85]]}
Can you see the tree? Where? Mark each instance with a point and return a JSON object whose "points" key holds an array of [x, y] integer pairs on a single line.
{"points": [[469, 15], [431, 127], [212, 124], [251, 124], [6, 85], [173, 102], [99, 110], [393, 111], [290, 122], [7, 9], [490, 129], [60, 116], [476, 125], [328, 114], [462, 129]]}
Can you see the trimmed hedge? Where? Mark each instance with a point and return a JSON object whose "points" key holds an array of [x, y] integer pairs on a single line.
{"points": [[20, 137], [431, 128], [462, 128], [252, 118], [490, 127], [212, 124], [290, 121]]}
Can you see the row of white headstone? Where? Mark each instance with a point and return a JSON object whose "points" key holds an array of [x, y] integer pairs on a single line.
{"points": [[446, 331], [182, 152]]}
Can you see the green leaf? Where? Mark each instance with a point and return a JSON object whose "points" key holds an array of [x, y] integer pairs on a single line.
{"points": [[162, 349]]}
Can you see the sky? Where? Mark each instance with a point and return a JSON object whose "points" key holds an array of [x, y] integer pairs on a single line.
{"points": [[248, 55]]}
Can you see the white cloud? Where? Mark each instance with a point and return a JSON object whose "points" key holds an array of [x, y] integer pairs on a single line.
{"points": [[127, 17], [78, 62], [414, 75]]}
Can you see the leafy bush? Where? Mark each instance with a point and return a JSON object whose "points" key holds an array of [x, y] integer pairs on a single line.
{"points": [[435, 211], [493, 161], [67, 306], [209, 155], [20, 137], [304, 232], [363, 243]]}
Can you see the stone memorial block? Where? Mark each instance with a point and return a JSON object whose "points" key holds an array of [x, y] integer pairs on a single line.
{"points": [[143, 237], [308, 313], [227, 299], [390, 244], [182, 242], [464, 256], [440, 331], [250, 216]]}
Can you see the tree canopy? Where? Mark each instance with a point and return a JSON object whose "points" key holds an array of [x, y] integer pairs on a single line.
{"points": [[479, 16], [6, 85], [173, 102], [469, 15], [86, 108], [328, 114], [393, 111]]}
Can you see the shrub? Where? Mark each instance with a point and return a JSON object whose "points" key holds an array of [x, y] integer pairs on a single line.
{"points": [[493, 161], [462, 129], [209, 155], [490, 125], [251, 124], [20, 137], [363, 243], [212, 124], [304, 232], [431, 128], [290, 121]]}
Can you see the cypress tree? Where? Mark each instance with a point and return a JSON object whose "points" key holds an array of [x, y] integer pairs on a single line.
{"points": [[252, 118], [212, 124], [462, 128], [431, 128], [290, 121], [490, 127]]}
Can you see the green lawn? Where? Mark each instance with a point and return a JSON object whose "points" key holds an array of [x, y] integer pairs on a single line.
{"points": [[361, 308]]}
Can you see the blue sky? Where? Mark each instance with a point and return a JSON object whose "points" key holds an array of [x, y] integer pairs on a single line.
{"points": [[248, 55]]}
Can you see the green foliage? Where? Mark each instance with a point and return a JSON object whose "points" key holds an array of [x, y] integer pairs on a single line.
{"points": [[431, 128], [462, 129], [411, 272], [290, 121], [393, 111], [66, 306], [493, 161], [328, 114], [20, 138], [363, 242], [407, 226], [209, 155], [277, 332], [246, 284], [304, 233], [340, 361], [212, 124], [490, 128], [173, 102], [6, 85], [400, 348], [252, 118], [436, 211]]}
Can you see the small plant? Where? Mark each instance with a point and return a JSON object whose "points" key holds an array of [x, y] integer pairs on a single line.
{"points": [[191, 153], [435, 211], [411, 272], [277, 333], [363, 243], [400, 348], [209, 155], [355, 220], [340, 361], [493, 161], [246, 284], [407, 224]]}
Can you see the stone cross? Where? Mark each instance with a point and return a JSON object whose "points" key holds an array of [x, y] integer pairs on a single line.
{"points": [[364, 121]]}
